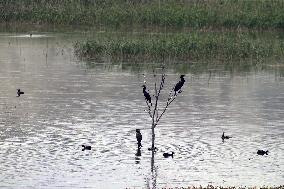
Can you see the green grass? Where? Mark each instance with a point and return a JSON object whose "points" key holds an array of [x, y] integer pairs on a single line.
{"points": [[187, 18], [257, 14], [187, 47]]}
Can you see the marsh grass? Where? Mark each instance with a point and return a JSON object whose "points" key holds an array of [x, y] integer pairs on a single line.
{"points": [[260, 14], [194, 46]]}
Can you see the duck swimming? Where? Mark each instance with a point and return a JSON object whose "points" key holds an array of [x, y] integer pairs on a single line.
{"points": [[166, 155], [225, 137], [19, 92], [85, 147], [262, 152]]}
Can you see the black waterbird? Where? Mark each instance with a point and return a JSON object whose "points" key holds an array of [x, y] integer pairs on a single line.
{"points": [[155, 149], [19, 92], [85, 147], [138, 137], [262, 152], [179, 85], [225, 137], [166, 155], [146, 95]]}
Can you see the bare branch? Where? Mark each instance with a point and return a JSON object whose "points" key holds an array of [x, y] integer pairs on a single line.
{"points": [[168, 103], [149, 108], [161, 84], [157, 114], [156, 92], [156, 104]]}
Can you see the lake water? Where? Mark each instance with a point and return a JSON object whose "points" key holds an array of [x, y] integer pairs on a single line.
{"points": [[68, 103]]}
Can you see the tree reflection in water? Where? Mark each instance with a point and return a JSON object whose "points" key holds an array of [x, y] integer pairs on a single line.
{"points": [[151, 180]]}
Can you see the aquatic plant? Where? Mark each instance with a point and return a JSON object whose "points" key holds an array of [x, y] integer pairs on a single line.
{"points": [[261, 14], [184, 47]]}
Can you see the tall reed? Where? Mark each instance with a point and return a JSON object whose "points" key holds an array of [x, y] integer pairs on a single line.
{"points": [[184, 47], [163, 13]]}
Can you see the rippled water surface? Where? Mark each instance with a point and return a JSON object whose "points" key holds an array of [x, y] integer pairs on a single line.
{"points": [[68, 103]]}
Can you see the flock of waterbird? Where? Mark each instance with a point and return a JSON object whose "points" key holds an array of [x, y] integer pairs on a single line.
{"points": [[176, 89]]}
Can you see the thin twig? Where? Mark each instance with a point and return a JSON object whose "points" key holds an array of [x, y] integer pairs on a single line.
{"points": [[155, 108], [161, 84], [149, 108], [168, 103]]}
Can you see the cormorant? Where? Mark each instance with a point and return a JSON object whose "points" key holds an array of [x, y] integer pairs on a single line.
{"points": [[179, 84], [166, 155], [138, 137], [146, 94], [85, 147], [19, 92], [225, 137], [262, 152]]}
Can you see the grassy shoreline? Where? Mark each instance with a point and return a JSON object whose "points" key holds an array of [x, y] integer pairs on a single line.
{"points": [[194, 46], [258, 14], [174, 30]]}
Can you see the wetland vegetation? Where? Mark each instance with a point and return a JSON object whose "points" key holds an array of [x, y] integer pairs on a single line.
{"points": [[99, 104], [193, 46], [173, 30], [262, 14]]}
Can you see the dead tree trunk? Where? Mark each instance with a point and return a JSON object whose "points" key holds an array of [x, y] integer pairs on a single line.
{"points": [[154, 112]]}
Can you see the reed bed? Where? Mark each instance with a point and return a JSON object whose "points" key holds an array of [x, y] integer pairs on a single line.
{"points": [[257, 14], [192, 46]]}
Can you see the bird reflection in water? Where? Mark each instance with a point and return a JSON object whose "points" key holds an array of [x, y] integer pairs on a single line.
{"points": [[138, 155]]}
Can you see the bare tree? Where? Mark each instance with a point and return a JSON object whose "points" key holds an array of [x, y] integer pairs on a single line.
{"points": [[153, 110]]}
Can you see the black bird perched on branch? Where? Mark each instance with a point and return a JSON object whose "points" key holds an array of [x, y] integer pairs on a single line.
{"points": [[138, 137], [85, 147], [262, 152], [166, 155], [19, 92], [179, 84], [146, 94]]}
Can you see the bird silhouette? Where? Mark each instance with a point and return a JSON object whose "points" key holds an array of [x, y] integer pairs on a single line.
{"points": [[155, 149], [262, 152], [138, 137], [166, 155], [19, 92], [85, 147], [179, 85], [146, 95], [225, 137]]}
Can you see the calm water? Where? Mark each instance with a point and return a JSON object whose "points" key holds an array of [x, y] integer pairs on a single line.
{"points": [[68, 103]]}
